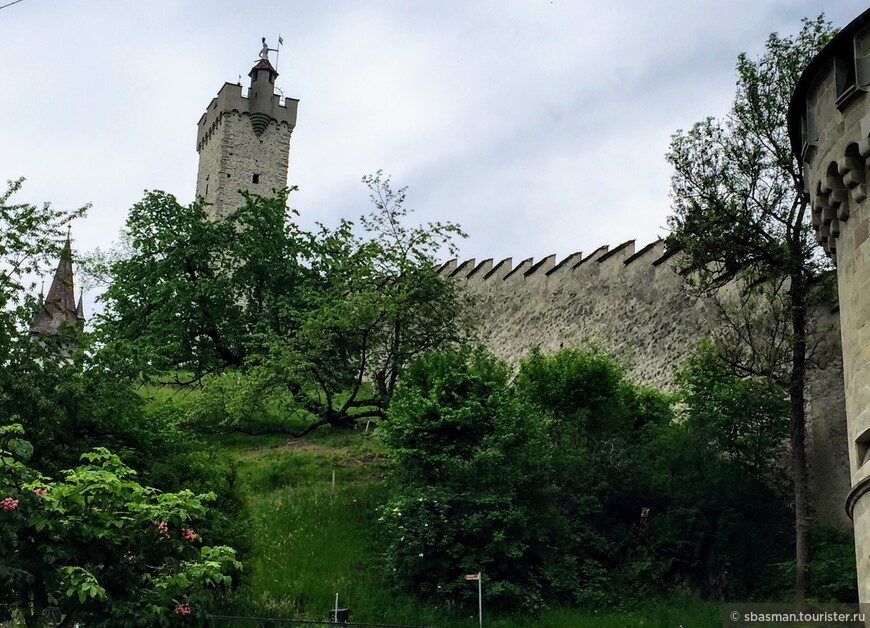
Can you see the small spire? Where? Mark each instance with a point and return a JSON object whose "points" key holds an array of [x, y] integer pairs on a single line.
{"points": [[80, 308], [40, 304], [66, 253]]}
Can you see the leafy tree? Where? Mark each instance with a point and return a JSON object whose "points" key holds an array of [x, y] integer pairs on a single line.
{"points": [[744, 417], [65, 404], [194, 294], [597, 421], [31, 237], [68, 406], [709, 526], [630, 497], [96, 546], [586, 397], [380, 304], [740, 214], [375, 303], [472, 488]]}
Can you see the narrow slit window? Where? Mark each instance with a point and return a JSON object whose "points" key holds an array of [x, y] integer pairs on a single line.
{"points": [[255, 178]]}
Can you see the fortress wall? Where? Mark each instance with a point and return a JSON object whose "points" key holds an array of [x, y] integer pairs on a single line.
{"points": [[631, 303]]}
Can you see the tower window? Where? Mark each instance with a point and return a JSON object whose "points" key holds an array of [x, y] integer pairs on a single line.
{"points": [[845, 73], [255, 178]]}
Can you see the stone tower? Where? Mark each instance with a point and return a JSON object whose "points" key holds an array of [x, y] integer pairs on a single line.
{"points": [[244, 141], [829, 127]]}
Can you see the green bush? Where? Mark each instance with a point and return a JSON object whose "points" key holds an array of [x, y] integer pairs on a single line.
{"points": [[472, 489], [832, 567]]}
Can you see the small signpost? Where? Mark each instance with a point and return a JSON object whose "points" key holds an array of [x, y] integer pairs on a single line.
{"points": [[477, 576], [338, 615]]}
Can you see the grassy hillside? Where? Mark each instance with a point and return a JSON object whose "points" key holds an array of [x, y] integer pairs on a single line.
{"points": [[313, 538]]}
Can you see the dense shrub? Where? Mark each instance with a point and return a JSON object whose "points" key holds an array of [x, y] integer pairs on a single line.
{"points": [[99, 547], [568, 484], [472, 489]]}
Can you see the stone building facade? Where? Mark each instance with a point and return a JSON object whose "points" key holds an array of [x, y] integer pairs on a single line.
{"points": [[243, 141], [829, 127]]}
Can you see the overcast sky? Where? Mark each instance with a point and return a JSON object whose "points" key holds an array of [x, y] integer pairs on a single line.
{"points": [[540, 126]]}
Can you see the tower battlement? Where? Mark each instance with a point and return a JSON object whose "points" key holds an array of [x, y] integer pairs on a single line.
{"points": [[243, 141], [230, 99]]}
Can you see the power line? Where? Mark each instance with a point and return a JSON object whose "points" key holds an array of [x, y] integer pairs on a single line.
{"points": [[10, 4]]}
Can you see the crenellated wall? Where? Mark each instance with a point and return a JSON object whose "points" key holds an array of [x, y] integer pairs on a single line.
{"points": [[633, 304]]}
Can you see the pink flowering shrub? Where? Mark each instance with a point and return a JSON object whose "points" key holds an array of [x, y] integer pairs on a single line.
{"points": [[182, 609], [162, 528], [80, 541]]}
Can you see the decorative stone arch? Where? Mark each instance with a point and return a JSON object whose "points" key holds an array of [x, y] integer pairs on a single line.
{"points": [[819, 205]]}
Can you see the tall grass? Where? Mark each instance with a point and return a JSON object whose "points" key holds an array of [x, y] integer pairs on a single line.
{"points": [[312, 540]]}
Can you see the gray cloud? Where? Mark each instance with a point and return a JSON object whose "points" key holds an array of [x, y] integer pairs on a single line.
{"points": [[540, 126]]}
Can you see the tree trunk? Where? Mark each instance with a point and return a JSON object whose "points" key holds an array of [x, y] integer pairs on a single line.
{"points": [[798, 299]]}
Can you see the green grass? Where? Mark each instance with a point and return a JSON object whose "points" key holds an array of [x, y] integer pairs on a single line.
{"points": [[311, 540]]}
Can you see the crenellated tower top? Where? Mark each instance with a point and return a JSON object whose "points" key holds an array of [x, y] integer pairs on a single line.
{"points": [[243, 140]]}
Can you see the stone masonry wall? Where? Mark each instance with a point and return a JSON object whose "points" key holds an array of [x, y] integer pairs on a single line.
{"points": [[634, 305], [234, 154]]}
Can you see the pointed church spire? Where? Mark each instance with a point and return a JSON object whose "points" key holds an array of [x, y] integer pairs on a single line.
{"points": [[59, 307]]}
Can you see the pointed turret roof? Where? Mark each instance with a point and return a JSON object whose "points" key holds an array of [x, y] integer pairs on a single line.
{"points": [[263, 64], [59, 307]]}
